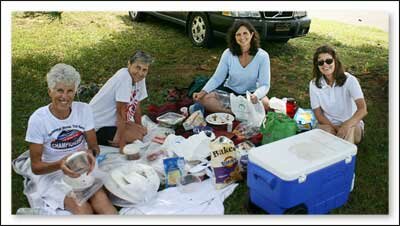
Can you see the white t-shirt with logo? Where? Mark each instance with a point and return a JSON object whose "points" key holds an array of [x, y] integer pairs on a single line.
{"points": [[60, 137], [118, 88], [337, 103]]}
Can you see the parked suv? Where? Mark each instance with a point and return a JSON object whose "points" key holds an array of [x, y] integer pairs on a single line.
{"points": [[202, 27]]}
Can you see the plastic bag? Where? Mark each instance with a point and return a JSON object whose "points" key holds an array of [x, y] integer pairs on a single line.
{"points": [[223, 98], [81, 196], [246, 111], [195, 119], [305, 119], [224, 162], [245, 131], [277, 126]]}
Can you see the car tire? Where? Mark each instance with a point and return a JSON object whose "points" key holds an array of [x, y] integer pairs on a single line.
{"points": [[136, 16], [200, 31], [282, 40]]}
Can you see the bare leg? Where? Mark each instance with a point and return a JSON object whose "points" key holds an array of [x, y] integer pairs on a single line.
{"points": [[355, 134], [134, 132], [350, 135], [212, 104], [358, 134], [101, 204], [71, 205], [327, 128]]}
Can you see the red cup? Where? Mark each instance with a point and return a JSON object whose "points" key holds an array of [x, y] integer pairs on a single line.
{"points": [[291, 107]]}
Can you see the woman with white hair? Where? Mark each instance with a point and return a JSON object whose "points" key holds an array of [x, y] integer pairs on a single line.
{"points": [[57, 130]]}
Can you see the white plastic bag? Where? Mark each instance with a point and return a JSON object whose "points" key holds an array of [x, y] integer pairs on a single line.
{"points": [[246, 111], [279, 105], [193, 148]]}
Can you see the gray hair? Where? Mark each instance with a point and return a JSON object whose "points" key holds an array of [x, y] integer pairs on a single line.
{"points": [[63, 73], [141, 57]]}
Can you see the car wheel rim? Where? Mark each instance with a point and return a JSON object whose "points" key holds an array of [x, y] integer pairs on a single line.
{"points": [[133, 14], [198, 29]]}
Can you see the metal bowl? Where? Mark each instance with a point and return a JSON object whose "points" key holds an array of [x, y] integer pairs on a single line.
{"points": [[78, 162]]}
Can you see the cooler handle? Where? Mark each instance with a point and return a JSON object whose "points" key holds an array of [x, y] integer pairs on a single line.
{"points": [[268, 179], [302, 178], [347, 160]]}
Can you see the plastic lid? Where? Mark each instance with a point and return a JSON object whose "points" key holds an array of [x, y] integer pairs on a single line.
{"points": [[131, 149], [302, 154]]}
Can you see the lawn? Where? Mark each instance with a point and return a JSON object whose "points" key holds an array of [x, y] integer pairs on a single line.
{"points": [[97, 44]]}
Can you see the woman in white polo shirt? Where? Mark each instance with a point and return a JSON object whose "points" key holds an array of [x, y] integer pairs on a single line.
{"points": [[336, 97]]}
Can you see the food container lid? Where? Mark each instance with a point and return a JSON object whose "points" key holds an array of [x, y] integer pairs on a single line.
{"points": [[302, 154], [171, 118], [131, 149]]}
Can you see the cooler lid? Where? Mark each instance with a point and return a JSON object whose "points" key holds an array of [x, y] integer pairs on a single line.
{"points": [[302, 154]]}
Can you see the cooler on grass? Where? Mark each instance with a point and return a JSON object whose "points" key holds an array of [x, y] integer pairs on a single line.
{"points": [[311, 172]]}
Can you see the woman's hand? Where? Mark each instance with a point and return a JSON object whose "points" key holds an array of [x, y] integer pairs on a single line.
{"points": [[115, 141], [343, 130], [253, 98], [198, 96], [66, 170]]}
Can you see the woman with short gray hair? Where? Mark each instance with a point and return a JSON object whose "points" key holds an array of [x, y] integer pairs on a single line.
{"points": [[63, 73], [116, 107], [55, 132]]}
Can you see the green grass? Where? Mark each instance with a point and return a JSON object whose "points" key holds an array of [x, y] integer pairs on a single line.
{"points": [[99, 43]]}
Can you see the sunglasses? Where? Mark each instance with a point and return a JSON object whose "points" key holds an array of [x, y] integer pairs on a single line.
{"points": [[328, 61]]}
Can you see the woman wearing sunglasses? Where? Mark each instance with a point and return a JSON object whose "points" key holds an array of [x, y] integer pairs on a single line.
{"points": [[336, 97]]}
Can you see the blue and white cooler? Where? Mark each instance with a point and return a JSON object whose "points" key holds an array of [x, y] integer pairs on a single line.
{"points": [[311, 172]]}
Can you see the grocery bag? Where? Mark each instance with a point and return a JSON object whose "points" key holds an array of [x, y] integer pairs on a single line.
{"points": [[277, 126], [246, 111]]}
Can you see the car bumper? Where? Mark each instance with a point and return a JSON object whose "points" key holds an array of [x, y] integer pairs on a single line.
{"points": [[282, 29]]}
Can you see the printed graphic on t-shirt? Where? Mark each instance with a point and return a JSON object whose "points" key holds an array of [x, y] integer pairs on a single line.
{"points": [[68, 139], [132, 106]]}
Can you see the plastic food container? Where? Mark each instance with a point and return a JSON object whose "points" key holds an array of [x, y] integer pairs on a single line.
{"points": [[78, 162], [188, 183], [132, 151], [198, 129], [170, 119]]}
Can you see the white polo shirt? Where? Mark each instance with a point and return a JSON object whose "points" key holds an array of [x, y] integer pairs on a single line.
{"points": [[337, 103]]}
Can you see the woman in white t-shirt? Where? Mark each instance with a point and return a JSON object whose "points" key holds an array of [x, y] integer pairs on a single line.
{"points": [[336, 97], [116, 107], [56, 131]]}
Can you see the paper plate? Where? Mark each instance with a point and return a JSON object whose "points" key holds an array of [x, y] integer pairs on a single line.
{"points": [[220, 118]]}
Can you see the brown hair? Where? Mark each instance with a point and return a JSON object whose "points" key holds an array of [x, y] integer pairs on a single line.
{"points": [[231, 39], [338, 74]]}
